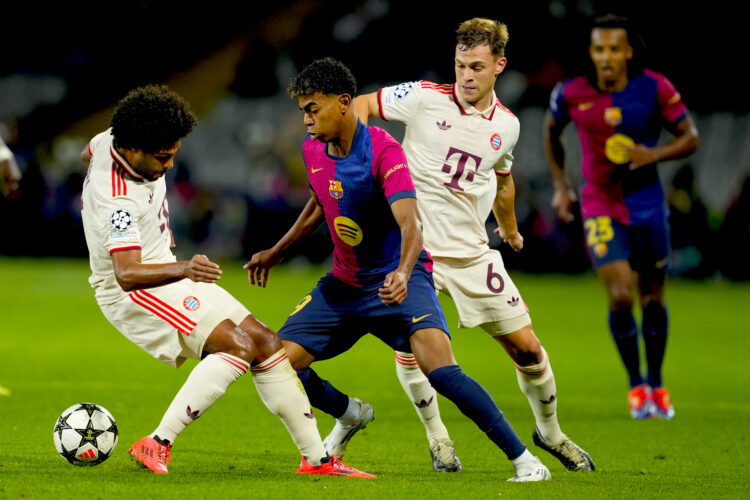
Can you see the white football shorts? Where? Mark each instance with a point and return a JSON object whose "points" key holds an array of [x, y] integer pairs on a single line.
{"points": [[172, 322], [482, 291]]}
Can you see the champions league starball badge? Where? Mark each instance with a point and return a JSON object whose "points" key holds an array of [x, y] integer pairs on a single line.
{"points": [[397, 92], [401, 90], [121, 219]]}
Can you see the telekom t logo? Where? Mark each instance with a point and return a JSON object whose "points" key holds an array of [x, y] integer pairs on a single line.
{"points": [[164, 216], [460, 167]]}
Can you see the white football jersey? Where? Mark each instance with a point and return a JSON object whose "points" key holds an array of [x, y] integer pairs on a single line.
{"points": [[454, 152], [121, 211]]}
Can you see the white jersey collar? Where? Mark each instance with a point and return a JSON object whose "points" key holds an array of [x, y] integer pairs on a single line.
{"points": [[469, 109], [117, 157]]}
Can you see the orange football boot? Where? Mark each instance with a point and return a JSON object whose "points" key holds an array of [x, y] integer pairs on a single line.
{"points": [[333, 467], [151, 454], [663, 404]]}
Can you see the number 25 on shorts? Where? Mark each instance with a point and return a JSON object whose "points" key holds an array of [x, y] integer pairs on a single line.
{"points": [[598, 233]]}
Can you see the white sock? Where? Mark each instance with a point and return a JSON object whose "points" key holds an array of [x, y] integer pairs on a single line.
{"points": [[538, 383], [207, 382], [283, 394], [351, 415], [526, 456], [422, 395]]}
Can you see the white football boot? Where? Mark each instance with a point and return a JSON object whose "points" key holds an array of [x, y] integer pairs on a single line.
{"points": [[336, 441], [444, 457], [530, 471]]}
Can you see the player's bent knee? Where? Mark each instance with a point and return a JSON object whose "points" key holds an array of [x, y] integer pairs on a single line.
{"points": [[432, 349], [522, 346], [530, 353], [229, 338], [620, 297], [266, 341]]}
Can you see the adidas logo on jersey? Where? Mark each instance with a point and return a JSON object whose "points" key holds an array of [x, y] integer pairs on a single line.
{"points": [[514, 301], [442, 126]]}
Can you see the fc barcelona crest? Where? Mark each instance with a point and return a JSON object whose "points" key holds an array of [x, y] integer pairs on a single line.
{"points": [[335, 189], [613, 116]]}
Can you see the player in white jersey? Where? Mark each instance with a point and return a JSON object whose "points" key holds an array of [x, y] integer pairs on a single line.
{"points": [[174, 309], [459, 142]]}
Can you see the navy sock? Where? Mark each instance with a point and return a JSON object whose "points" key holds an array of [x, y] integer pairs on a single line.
{"points": [[476, 403], [322, 394], [654, 328], [624, 332]]}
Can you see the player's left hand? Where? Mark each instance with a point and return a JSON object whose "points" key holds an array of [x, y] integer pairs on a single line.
{"points": [[640, 155], [393, 291], [515, 240]]}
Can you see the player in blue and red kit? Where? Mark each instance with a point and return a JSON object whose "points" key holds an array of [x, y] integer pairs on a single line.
{"points": [[619, 111], [381, 280]]}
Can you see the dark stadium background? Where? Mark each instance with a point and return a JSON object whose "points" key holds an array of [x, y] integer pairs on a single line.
{"points": [[239, 182]]}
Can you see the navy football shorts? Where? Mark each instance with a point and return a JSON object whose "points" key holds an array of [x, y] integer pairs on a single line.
{"points": [[646, 247], [334, 315]]}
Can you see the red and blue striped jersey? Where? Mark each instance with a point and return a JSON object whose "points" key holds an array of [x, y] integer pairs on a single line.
{"points": [[356, 192], [606, 121]]}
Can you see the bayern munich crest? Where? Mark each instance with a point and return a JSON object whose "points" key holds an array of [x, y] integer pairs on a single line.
{"points": [[496, 141], [191, 303]]}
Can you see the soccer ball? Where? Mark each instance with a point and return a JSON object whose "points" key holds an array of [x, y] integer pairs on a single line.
{"points": [[85, 434]]}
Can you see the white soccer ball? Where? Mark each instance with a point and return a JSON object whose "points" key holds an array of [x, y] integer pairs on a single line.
{"points": [[85, 434]]}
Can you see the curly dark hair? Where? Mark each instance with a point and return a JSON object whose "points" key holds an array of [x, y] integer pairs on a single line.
{"points": [[151, 119], [327, 76]]}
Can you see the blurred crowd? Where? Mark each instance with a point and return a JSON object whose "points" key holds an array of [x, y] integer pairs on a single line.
{"points": [[239, 182]]}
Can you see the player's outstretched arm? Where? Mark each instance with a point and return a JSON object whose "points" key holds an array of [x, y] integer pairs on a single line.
{"points": [[505, 212], [564, 196], [406, 213], [260, 264], [366, 106], [132, 274]]}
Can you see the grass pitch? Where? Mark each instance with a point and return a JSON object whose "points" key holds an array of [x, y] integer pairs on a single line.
{"points": [[56, 349]]}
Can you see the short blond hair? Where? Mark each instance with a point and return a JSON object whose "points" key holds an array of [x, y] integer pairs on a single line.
{"points": [[480, 31]]}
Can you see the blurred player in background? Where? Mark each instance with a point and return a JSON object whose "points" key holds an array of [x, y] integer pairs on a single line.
{"points": [[381, 281], [173, 309], [459, 141], [619, 111], [10, 175]]}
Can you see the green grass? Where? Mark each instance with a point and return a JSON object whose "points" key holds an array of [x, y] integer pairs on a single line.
{"points": [[56, 349]]}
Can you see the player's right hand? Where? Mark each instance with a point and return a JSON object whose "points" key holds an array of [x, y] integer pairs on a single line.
{"points": [[394, 289], [259, 266], [562, 202], [200, 268]]}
